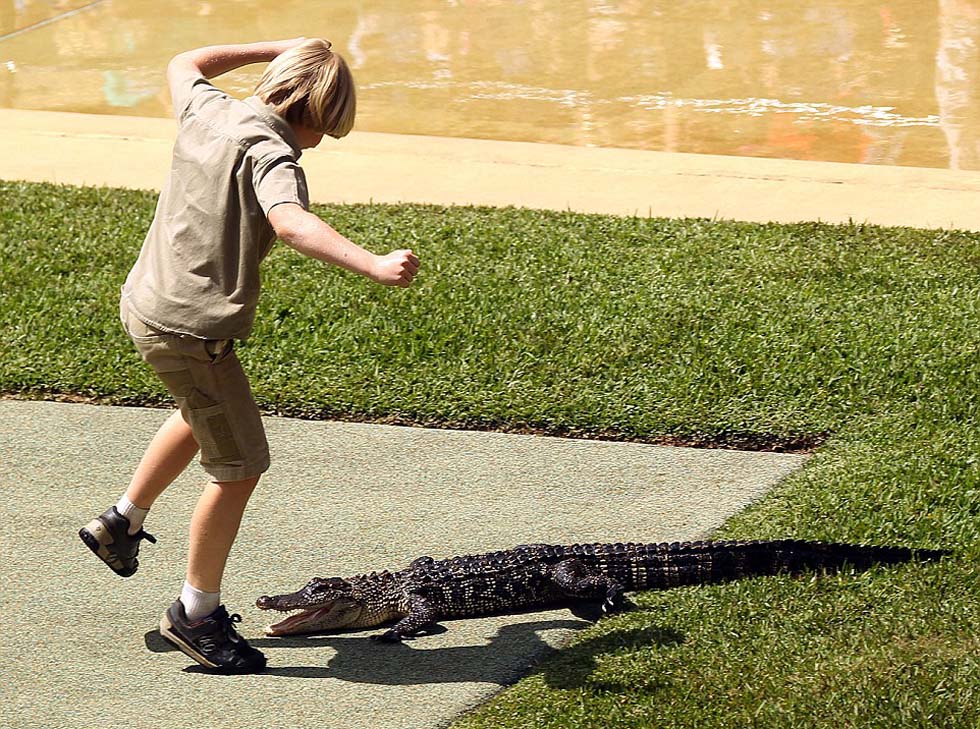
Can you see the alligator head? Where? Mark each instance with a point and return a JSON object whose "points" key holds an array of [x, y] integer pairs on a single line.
{"points": [[325, 604]]}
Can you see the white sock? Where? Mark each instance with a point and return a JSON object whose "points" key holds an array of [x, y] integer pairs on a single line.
{"points": [[197, 603], [132, 512]]}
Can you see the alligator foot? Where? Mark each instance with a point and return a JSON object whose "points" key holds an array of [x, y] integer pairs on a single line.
{"points": [[390, 636], [615, 600], [622, 605], [590, 611], [396, 636], [595, 611]]}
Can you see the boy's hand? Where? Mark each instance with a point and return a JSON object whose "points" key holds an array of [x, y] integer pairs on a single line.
{"points": [[398, 268]]}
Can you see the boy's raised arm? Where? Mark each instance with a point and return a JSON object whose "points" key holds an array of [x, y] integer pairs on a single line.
{"points": [[211, 61], [312, 237]]}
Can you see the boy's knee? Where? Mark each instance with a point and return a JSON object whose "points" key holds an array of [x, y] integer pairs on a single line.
{"points": [[241, 485]]}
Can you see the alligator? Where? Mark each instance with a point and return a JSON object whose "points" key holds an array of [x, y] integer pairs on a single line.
{"points": [[534, 576]]}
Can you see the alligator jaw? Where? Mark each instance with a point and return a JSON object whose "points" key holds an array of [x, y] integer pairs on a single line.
{"points": [[339, 614], [306, 621], [323, 604]]}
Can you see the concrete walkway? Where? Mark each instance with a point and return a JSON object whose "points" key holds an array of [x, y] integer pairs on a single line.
{"points": [[79, 647]]}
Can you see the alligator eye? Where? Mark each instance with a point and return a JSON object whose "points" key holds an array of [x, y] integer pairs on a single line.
{"points": [[323, 581], [328, 584]]}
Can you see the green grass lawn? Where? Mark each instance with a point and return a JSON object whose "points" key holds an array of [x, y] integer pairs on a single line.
{"points": [[860, 342]]}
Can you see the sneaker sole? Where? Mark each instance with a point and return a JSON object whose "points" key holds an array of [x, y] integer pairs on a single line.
{"points": [[168, 633], [97, 538]]}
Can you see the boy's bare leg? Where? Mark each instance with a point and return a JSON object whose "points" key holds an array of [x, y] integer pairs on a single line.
{"points": [[214, 527], [115, 536], [169, 453], [196, 622]]}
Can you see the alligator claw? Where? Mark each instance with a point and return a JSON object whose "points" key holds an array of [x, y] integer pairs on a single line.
{"points": [[614, 604], [621, 605], [389, 636]]}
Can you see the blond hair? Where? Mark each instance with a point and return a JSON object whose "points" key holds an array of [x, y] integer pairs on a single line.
{"points": [[311, 85]]}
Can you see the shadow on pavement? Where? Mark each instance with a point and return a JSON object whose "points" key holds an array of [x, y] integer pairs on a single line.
{"points": [[361, 659], [510, 655], [577, 664]]}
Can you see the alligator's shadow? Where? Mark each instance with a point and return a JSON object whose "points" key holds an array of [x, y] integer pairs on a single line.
{"points": [[512, 653]]}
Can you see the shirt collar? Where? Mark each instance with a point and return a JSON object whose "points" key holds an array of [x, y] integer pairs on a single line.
{"points": [[278, 124]]}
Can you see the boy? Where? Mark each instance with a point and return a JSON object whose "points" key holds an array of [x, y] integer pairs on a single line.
{"points": [[234, 186]]}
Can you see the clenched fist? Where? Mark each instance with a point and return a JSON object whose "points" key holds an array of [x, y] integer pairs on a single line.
{"points": [[398, 268]]}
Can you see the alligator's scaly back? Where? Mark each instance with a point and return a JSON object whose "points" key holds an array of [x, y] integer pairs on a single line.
{"points": [[661, 566], [538, 575]]}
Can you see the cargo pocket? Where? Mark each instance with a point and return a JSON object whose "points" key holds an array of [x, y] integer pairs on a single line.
{"points": [[138, 330], [219, 349], [180, 384], [215, 436]]}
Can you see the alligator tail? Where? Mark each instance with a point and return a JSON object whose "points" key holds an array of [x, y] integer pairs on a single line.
{"points": [[690, 563]]}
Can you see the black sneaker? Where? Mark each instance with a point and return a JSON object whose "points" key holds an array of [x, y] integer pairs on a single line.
{"points": [[211, 641], [108, 536]]}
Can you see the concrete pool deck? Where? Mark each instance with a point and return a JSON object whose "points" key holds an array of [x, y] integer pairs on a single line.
{"points": [[84, 149]]}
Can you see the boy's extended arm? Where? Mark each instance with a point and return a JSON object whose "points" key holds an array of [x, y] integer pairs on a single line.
{"points": [[312, 237], [212, 61]]}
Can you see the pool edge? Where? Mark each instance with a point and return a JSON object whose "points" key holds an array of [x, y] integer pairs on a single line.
{"points": [[126, 151]]}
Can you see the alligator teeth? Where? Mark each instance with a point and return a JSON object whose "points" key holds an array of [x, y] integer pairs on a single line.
{"points": [[296, 623]]}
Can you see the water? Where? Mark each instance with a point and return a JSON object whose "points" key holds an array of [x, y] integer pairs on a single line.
{"points": [[871, 82]]}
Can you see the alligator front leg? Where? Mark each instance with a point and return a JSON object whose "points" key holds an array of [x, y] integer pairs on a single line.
{"points": [[421, 614], [577, 579]]}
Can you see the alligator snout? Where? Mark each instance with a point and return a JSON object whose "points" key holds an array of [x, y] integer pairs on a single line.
{"points": [[264, 602]]}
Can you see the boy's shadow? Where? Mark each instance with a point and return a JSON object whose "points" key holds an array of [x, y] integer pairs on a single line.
{"points": [[511, 654]]}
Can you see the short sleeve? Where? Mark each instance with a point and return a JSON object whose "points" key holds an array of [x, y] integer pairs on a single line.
{"points": [[280, 180], [188, 88]]}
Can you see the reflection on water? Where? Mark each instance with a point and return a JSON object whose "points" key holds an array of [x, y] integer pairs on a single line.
{"points": [[957, 96], [860, 81]]}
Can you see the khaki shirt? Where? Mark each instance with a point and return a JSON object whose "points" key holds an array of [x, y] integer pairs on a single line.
{"points": [[233, 161]]}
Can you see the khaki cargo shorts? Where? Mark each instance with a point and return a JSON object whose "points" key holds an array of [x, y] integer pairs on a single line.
{"points": [[211, 389]]}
